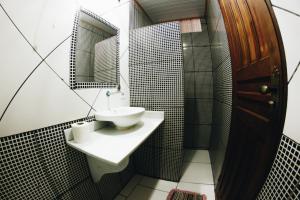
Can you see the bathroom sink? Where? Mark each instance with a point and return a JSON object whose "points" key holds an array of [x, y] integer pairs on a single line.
{"points": [[99, 142], [122, 117]]}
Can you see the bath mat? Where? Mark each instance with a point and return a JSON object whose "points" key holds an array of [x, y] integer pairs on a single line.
{"points": [[176, 194]]}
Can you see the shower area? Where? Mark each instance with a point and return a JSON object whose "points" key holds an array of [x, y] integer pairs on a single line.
{"points": [[198, 84], [179, 63]]}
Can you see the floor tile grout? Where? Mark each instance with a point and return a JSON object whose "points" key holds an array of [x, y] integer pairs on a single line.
{"points": [[152, 188], [191, 161], [196, 162], [134, 186], [121, 196], [155, 188], [177, 183], [197, 183]]}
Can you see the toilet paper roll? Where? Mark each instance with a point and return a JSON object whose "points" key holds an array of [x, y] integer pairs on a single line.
{"points": [[79, 131]]}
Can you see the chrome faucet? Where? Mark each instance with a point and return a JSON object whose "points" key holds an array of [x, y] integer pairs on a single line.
{"points": [[109, 93]]}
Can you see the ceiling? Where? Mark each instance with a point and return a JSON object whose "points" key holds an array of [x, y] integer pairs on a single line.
{"points": [[168, 10]]}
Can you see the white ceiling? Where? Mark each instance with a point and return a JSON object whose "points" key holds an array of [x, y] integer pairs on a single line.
{"points": [[167, 10]]}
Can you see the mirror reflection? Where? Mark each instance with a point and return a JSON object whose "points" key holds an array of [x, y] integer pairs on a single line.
{"points": [[96, 50]]}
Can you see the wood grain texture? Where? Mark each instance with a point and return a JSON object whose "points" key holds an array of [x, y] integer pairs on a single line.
{"points": [[257, 118]]}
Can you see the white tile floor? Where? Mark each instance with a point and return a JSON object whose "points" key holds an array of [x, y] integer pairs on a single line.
{"points": [[196, 177]]}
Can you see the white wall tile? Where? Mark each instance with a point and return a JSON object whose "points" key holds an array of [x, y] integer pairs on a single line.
{"points": [[115, 100], [17, 60], [292, 5], [99, 7], [43, 101], [89, 95], [120, 18], [46, 24], [289, 25], [292, 126], [59, 60]]}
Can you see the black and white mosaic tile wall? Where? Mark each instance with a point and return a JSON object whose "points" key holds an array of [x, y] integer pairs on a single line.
{"points": [[35, 162], [198, 88], [283, 181], [156, 83], [222, 87], [39, 165]]}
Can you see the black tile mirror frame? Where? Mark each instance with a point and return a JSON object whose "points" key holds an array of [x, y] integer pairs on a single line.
{"points": [[74, 39]]}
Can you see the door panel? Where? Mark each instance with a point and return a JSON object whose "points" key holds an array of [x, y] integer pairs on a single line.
{"points": [[259, 97], [255, 71]]}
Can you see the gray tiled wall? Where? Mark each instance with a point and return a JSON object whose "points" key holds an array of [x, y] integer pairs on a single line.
{"points": [[88, 36], [198, 90], [138, 17], [222, 87], [156, 83], [39, 165]]}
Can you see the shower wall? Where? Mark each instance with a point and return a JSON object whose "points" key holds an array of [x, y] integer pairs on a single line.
{"points": [[198, 90], [222, 87], [156, 83]]}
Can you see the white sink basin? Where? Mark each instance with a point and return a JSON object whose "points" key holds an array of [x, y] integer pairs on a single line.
{"points": [[122, 117]]}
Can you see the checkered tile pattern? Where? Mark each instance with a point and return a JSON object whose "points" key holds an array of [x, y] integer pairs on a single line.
{"points": [[222, 87], [39, 165], [156, 83], [283, 181]]}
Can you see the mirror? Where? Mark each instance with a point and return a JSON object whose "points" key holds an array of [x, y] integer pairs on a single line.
{"points": [[94, 52]]}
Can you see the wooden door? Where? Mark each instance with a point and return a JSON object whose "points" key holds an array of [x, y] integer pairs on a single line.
{"points": [[259, 97]]}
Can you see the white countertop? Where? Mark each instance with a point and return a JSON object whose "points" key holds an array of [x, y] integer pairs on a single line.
{"points": [[113, 145]]}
